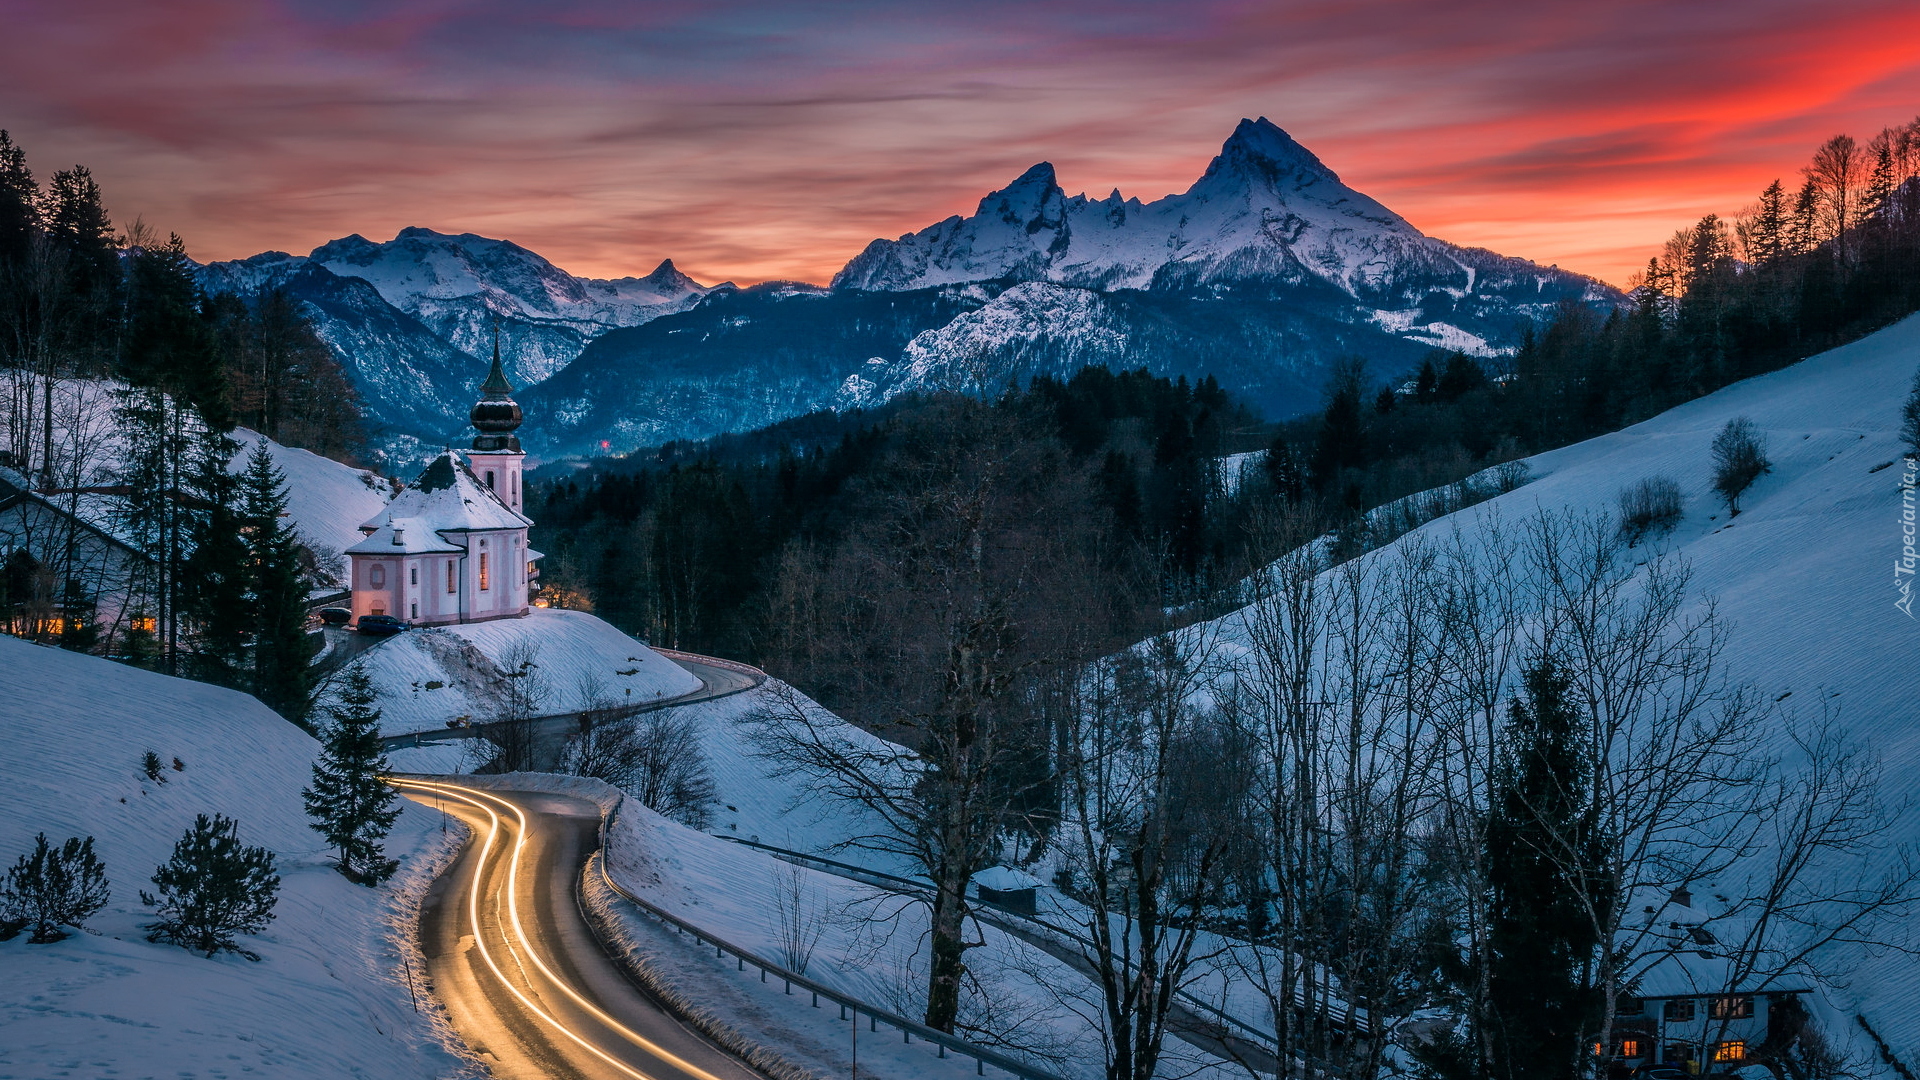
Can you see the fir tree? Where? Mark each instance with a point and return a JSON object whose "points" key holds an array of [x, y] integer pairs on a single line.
{"points": [[169, 343], [1545, 880], [52, 887], [19, 203], [352, 807], [212, 888], [213, 575], [277, 589], [1765, 232]]}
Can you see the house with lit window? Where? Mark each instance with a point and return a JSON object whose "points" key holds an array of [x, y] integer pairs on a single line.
{"points": [[452, 545], [1690, 1008]]}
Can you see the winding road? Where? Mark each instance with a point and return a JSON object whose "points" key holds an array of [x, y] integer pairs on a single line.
{"points": [[512, 958], [718, 679]]}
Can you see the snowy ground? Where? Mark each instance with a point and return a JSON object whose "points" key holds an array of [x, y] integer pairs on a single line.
{"points": [[329, 997], [427, 677], [327, 500], [1804, 576]]}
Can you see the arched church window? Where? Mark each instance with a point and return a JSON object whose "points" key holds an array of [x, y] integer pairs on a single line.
{"points": [[483, 570], [489, 479], [413, 575], [450, 584]]}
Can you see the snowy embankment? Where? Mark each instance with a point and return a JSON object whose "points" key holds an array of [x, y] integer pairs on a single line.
{"points": [[427, 677], [326, 499], [329, 996], [1804, 578]]}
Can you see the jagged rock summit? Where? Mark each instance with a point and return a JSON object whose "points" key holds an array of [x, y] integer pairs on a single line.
{"points": [[1266, 210]]}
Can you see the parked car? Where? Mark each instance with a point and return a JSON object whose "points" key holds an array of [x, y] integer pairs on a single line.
{"points": [[335, 616], [382, 625]]}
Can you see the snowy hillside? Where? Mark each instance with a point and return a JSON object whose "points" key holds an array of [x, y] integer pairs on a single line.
{"points": [[328, 997], [426, 677], [1804, 575], [327, 500]]}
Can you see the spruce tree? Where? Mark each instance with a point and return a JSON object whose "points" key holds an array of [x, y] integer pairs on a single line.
{"points": [[214, 574], [1545, 883], [352, 807], [52, 887], [212, 888], [277, 589], [19, 204]]}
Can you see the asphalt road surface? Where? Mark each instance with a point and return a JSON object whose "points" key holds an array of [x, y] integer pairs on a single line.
{"points": [[550, 733], [512, 958]]}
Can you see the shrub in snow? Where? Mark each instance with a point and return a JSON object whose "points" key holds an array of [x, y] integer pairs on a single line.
{"points": [[655, 757], [213, 888], [151, 768], [1650, 506], [351, 806], [52, 887], [1739, 458]]}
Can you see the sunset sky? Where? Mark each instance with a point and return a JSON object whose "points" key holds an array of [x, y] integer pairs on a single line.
{"points": [[750, 140]]}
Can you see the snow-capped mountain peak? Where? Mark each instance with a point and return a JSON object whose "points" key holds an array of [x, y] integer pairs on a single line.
{"points": [[1266, 211]]}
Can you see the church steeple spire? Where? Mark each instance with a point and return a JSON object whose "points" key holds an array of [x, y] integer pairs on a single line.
{"points": [[496, 415]]}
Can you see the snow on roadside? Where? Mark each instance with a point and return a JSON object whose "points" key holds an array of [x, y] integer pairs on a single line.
{"points": [[427, 677], [329, 997]]}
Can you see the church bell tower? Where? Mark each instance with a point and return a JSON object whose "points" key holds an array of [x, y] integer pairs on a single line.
{"points": [[496, 456]]}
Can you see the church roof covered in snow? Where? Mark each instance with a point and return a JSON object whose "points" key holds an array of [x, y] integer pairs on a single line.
{"points": [[445, 497], [403, 536]]}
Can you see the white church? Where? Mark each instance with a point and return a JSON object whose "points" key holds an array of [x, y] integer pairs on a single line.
{"points": [[452, 546]]}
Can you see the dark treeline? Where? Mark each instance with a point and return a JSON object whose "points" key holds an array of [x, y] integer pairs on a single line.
{"points": [[132, 535], [694, 547], [79, 299], [1803, 269]]}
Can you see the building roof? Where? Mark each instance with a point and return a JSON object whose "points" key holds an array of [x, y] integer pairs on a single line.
{"points": [[404, 536], [445, 497]]}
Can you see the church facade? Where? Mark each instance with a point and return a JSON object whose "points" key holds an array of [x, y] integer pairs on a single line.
{"points": [[452, 546]]}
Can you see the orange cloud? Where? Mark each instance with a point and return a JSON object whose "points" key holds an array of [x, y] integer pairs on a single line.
{"points": [[754, 140]]}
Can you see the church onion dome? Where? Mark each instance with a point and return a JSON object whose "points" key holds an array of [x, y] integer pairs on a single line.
{"points": [[496, 416]]}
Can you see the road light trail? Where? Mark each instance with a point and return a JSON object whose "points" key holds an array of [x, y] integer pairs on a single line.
{"points": [[521, 944]]}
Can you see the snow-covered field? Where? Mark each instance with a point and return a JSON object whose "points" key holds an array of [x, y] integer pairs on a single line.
{"points": [[1804, 576], [427, 677], [329, 996]]}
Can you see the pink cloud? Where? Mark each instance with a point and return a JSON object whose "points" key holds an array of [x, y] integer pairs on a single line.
{"points": [[755, 140]]}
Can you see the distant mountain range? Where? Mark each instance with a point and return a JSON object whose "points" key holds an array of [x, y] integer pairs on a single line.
{"points": [[1262, 273]]}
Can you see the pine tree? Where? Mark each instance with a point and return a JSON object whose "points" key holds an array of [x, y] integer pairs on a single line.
{"points": [[1765, 233], [19, 203], [214, 573], [277, 589], [52, 887], [1283, 470], [1544, 873], [153, 427], [212, 888], [352, 807], [169, 342]]}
